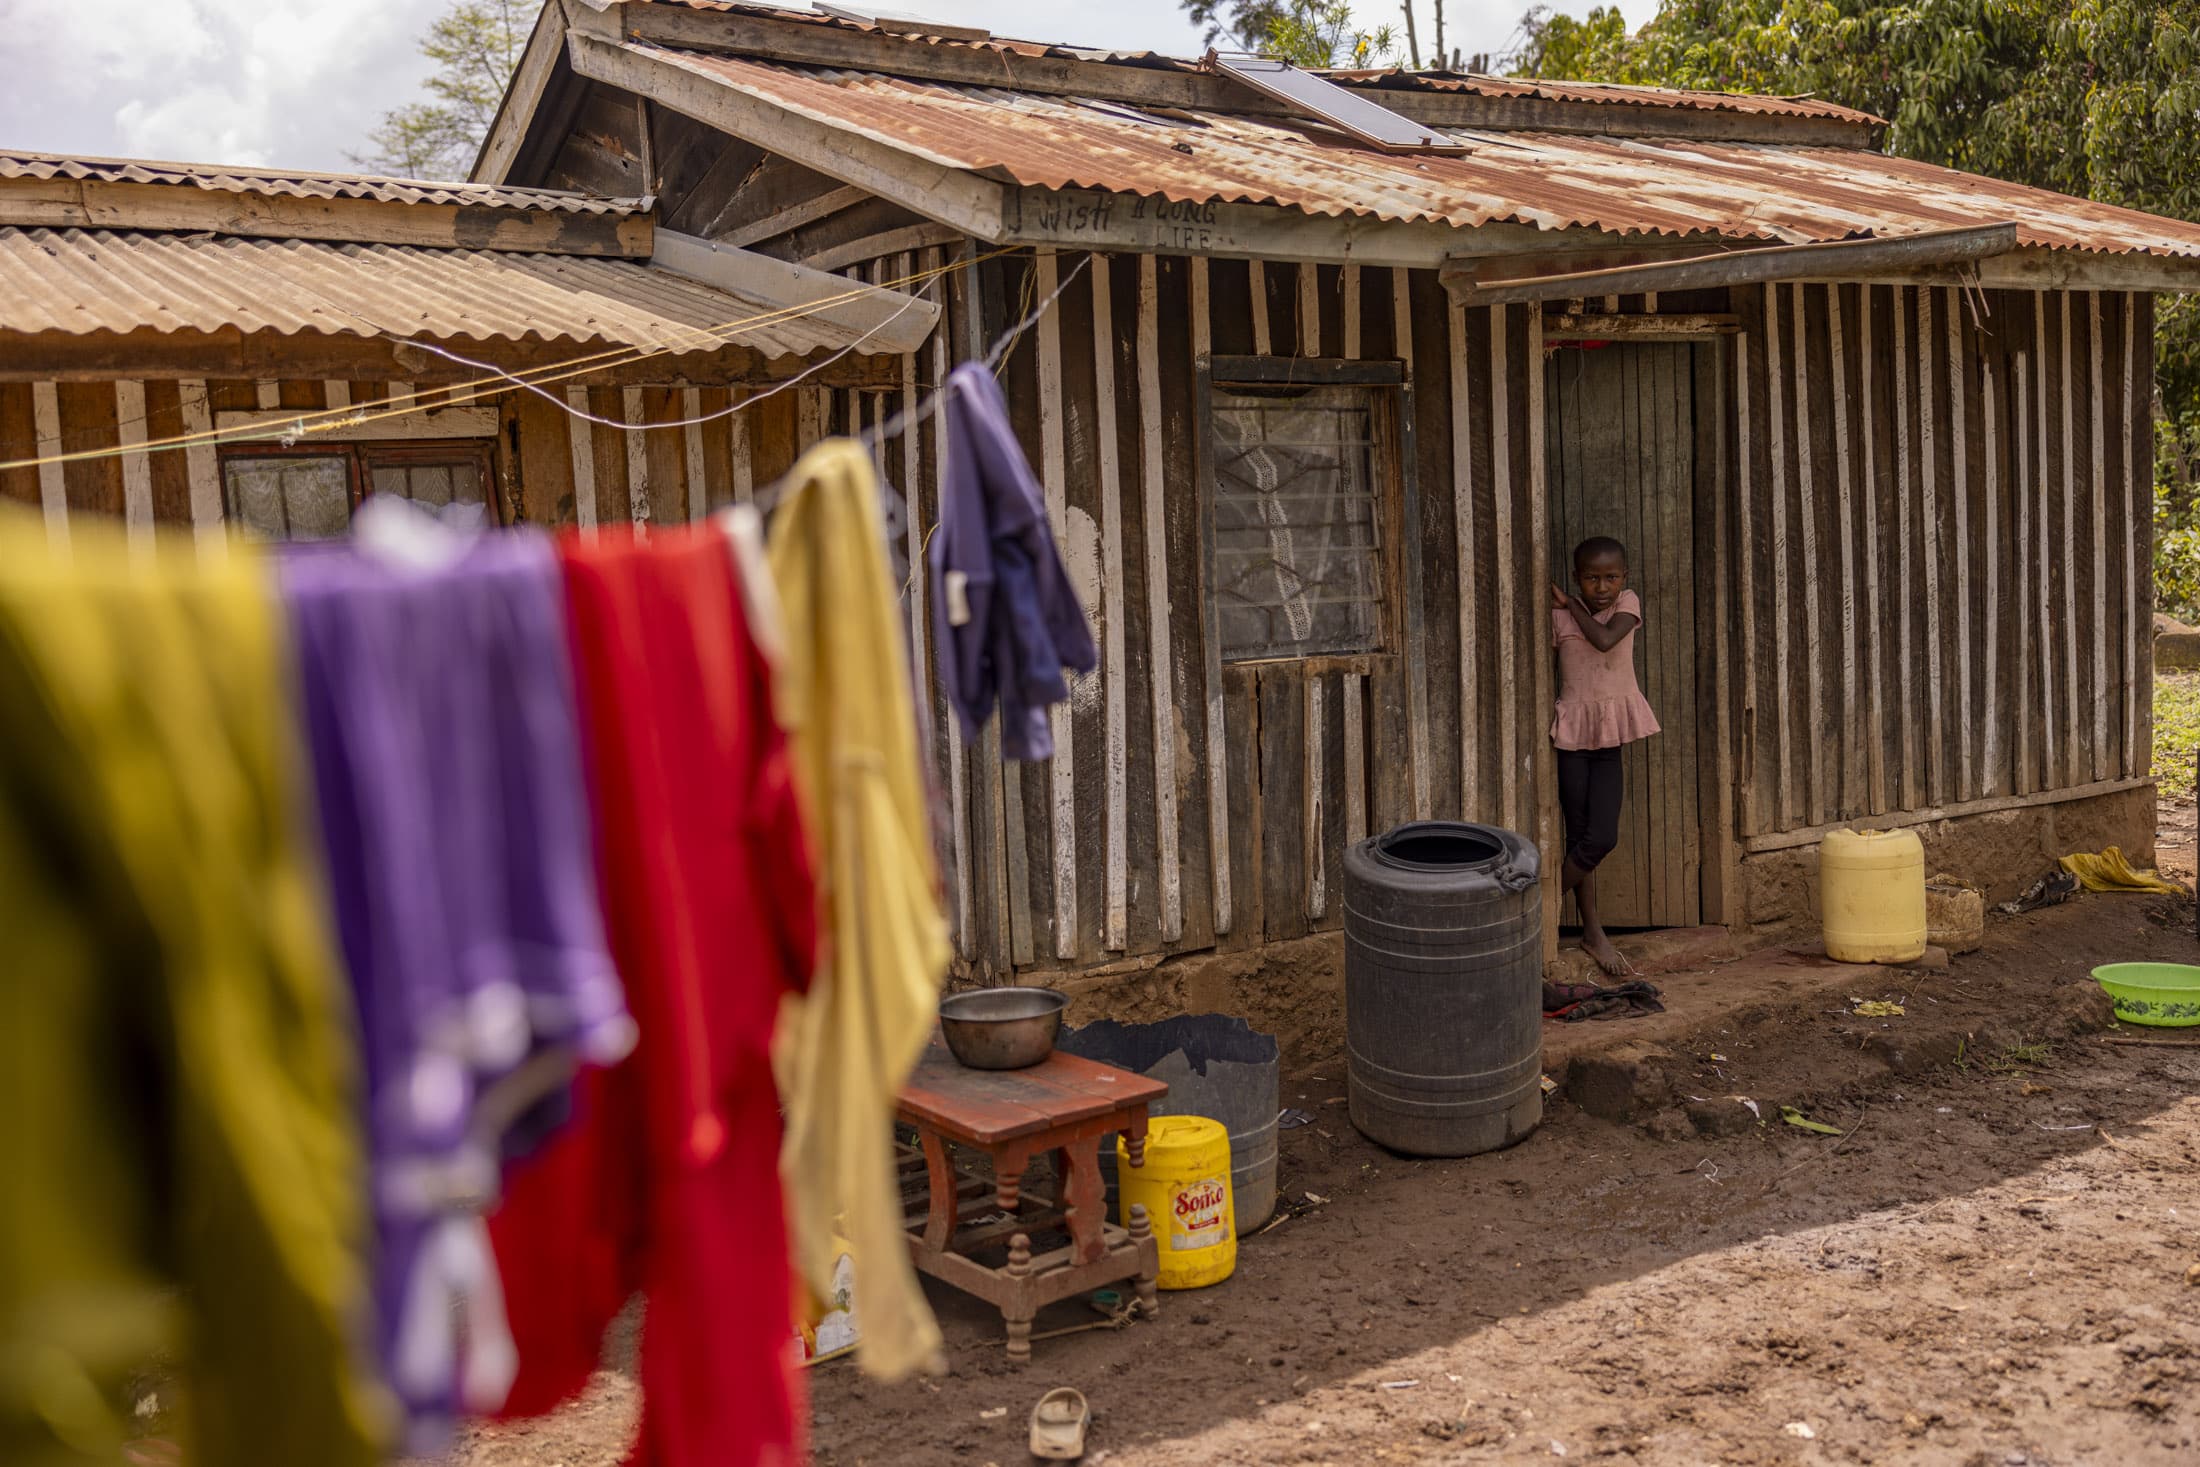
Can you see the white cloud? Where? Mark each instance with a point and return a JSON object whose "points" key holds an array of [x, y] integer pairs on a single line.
{"points": [[291, 82], [298, 83]]}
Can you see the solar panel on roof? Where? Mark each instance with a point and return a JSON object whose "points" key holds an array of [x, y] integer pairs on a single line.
{"points": [[1346, 110]]}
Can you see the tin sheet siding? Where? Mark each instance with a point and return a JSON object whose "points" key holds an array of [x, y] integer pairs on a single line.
{"points": [[1945, 530]]}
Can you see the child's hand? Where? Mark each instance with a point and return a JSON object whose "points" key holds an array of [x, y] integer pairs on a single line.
{"points": [[1559, 599]]}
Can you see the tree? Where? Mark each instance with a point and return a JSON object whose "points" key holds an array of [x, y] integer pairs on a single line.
{"points": [[1315, 34], [1318, 34], [475, 46]]}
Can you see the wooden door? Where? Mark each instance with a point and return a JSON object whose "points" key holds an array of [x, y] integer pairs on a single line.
{"points": [[1621, 448]]}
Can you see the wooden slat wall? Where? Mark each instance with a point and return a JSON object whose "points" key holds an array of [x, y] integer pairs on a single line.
{"points": [[550, 468], [1944, 588], [1936, 533], [1187, 808]]}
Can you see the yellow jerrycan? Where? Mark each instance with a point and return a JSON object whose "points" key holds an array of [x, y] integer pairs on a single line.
{"points": [[1185, 1188], [1871, 894]]}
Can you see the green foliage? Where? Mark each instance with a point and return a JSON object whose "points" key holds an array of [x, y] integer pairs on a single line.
{"points": [[1314, 34], [2176, 731], [1236, 24], [475, 46], [1318, 34], [1565, 49]]}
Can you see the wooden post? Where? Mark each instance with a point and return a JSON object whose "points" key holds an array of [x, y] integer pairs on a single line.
{"points": [[1936, 761], [1111, 598], [202, 465], [1218, 749], [137, 470], [1054, 471], [579, 432], [1906, 550], [1788, 812], [1960, 493], [1875, 709], [1814, 657], [1506, 621], [1462, 502], [1160, 661], [1416, 672]]}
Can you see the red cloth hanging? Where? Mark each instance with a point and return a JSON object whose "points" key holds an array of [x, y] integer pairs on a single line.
{"points": [[668, 1179]]}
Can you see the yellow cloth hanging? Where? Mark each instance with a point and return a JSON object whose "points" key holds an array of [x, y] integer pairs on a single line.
{"points": [[183, 1176], [845, 1047], [2109, 871]]}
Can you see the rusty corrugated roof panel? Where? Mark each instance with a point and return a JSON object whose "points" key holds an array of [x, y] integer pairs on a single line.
{"points": [[1386, 79], [291, 183], [1598, 93], [83, 281], [1628, 186]]}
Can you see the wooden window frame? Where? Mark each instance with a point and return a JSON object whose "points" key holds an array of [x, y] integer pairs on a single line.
{"points": [[362, 457], [1394, 455]]}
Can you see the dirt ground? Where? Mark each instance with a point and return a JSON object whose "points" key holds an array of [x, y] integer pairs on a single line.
{"points": [[1997, 1262]]}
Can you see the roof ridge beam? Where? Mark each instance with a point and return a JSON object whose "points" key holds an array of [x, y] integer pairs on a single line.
{"points": [[803, 43], [155, 208]]}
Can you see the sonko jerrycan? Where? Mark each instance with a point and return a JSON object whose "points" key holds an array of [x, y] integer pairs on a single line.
{"points": [[1185, 1189]]}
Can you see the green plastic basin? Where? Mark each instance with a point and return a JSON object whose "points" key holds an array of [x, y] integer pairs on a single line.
{"points": [[2166, 994]]}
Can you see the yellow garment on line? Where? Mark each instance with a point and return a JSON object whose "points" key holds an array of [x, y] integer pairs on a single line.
{"points": [[845, 1047], [2110, 871], [180, 1175]]}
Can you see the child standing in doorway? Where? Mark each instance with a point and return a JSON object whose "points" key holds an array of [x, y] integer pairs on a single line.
{"points": [[1600, 710]]}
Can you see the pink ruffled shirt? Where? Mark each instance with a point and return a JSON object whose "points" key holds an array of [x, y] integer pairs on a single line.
{"points": [[1600, 706]]}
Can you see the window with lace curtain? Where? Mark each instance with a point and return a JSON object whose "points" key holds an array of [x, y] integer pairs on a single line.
{"points": [[1297, 554]]}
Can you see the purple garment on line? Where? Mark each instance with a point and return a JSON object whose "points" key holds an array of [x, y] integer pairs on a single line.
{"points": [[439, 710], [1024, 624]]}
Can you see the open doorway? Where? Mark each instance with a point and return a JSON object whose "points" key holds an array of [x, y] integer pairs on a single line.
{"points": [[1622, 443]]}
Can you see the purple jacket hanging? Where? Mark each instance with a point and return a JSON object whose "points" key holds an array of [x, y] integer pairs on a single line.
{"points": [[1008, 621]]}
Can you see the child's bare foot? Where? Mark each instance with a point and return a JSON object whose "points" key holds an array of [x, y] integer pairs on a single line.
{"points": [[1604, 955]]}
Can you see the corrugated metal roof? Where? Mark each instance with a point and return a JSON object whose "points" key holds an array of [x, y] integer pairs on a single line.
{"points": [[1391, 79], [82, 281], [1598, 93], [294, 184], [1629, 186]]}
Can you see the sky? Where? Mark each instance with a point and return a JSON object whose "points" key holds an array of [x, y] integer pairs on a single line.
{"points": [[298, 83]]}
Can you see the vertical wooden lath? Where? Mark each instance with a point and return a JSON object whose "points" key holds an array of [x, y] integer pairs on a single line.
{"points": [[1462, 439], [1161, 663]]}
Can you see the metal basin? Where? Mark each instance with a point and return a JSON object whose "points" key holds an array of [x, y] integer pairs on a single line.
{"points": [[1002, 1028]]}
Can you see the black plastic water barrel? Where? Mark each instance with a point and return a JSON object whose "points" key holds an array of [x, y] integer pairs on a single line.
{"points": [[1443, 988]]}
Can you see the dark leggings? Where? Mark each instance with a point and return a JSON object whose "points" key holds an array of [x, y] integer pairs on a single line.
{"points": [[1589, 788]]}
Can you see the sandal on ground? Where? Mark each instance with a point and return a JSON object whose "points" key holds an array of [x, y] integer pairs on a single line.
{"points": [[1058, 1426]]}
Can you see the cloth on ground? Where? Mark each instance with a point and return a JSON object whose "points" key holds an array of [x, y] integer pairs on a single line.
{"points": [[439, 709], [849, 1044], [668, 1180], [1600, 705], [2051, 889], [182, 1159], [2109, 870], [1006, 615], [1577, 1001]]}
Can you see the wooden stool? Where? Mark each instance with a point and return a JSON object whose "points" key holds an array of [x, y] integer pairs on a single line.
{"points": [[1062, 1105]]}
